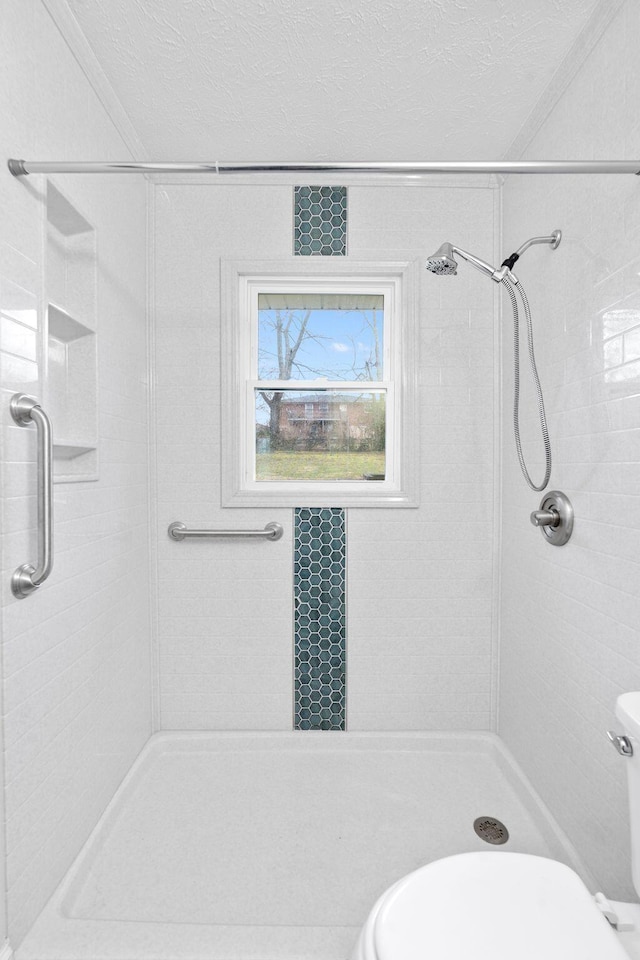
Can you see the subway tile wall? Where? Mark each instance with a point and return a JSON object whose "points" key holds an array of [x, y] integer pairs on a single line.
{"points": [[76, 701], [570, 640], [420, 610]]}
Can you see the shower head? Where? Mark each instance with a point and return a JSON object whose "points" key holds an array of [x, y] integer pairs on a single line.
{"points": [[442, 261]]}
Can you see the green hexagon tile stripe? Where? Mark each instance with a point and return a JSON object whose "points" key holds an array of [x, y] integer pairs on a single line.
{"points": [[320, 628], [320, 221]]}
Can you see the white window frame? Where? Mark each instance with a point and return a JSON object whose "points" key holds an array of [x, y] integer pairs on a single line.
{"points": [[242, 282]]}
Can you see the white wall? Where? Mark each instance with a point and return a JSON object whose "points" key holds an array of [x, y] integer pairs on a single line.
{"points": [[419, 581], [76, 653], [571, 616]]}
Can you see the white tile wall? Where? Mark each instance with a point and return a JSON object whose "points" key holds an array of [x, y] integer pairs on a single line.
{"points": [[420, 614], [570, 617], [420, 581], [76, 653]]}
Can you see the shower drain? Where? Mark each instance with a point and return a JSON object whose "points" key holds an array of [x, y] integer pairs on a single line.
{"points": [[491, 830]]}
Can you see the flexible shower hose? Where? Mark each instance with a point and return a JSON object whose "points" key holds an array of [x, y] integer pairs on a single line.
{"points": [[516, 385]]}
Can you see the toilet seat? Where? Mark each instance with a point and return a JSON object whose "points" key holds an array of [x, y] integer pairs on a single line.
{"points": [[489, 906]]}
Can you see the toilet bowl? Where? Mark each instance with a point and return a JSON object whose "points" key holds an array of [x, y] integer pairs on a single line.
{"points": [[502, 906]]}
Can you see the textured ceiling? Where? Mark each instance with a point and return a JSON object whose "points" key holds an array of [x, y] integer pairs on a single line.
{"points": [[329, 79]]}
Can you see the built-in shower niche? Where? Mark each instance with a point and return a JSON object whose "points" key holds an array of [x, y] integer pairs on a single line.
{"points": [[71, 348]]}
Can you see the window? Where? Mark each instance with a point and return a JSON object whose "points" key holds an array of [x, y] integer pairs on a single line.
{"points": [[319, 402]]}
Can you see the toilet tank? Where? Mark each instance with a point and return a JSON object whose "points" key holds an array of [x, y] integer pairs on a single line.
{"points": [[628, 713]]}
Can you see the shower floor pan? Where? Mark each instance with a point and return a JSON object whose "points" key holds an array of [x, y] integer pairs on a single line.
{"points": [[232, 846]]}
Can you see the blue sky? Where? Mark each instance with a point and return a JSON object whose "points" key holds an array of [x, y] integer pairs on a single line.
{"points": [[340, 345]]}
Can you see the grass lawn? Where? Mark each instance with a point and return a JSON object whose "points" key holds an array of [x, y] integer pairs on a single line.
{"points": [[320, 465]]}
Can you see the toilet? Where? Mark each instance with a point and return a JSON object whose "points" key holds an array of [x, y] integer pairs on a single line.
{"points": [[503, 906]]}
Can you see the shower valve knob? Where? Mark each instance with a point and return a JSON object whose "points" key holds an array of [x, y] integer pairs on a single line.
{"points": [[545, 518]]}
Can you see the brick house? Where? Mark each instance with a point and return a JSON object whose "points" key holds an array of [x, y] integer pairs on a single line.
{"points": [[331, 421]]}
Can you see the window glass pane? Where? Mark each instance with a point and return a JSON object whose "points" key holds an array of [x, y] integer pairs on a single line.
{"points": [[320, 435], [305, 336]]}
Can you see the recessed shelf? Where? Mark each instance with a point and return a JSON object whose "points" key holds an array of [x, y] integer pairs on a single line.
{"points": [[64, 327], [69, 451], [62, 214], [71, 345]]}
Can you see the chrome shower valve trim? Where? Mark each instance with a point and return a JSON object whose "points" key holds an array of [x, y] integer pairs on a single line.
{"points": [[554, 519]]}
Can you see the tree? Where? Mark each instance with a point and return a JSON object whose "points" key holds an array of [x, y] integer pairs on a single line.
{"points": [[291, 330], [371, 367]]}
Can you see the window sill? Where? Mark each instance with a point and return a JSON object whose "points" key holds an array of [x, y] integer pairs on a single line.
{"points": [[354, 494]]}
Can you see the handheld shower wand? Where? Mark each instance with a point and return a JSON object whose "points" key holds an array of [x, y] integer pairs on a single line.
{"points": [[443, 263]]}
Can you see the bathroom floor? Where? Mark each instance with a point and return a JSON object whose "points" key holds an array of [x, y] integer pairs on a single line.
{"points": [[276, 846]]}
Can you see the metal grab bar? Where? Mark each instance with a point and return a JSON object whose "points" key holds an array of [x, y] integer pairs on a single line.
{"points": [[178, 531], [27, 578]]}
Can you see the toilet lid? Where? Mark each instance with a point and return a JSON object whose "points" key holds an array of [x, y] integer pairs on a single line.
{"points": [[493, 906]]}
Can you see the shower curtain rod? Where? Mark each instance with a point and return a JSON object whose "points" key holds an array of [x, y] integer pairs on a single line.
{"points": [[21, 168]]}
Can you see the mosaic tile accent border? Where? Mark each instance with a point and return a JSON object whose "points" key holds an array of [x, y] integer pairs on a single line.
{"points": [[320, 221], [320, 618]]}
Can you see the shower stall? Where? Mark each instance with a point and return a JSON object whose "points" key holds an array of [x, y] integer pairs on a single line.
{"points": [[165, 793]]}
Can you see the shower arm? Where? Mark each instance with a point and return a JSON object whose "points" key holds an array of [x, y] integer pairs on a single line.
{"points": [[507, 265], [553, 241]]}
